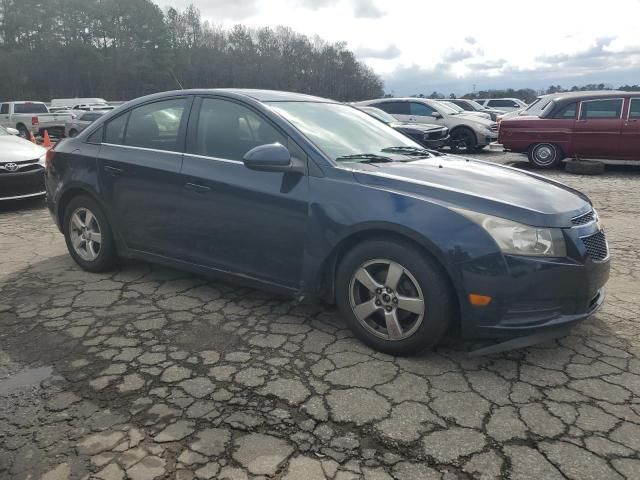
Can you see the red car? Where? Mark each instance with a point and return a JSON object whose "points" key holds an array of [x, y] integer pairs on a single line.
{"points": [[604, 125]]}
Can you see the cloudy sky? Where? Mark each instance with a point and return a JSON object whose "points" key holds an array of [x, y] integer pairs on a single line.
{"points": [[419, 46]]}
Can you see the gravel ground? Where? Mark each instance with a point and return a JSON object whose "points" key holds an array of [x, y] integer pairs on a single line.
{"points": [[153, 373]]}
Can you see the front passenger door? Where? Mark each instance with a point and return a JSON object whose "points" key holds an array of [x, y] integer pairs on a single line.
{"points": [[237, 220]]}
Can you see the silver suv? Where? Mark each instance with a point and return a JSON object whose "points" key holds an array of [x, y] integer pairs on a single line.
{"points": [[467, 132]]}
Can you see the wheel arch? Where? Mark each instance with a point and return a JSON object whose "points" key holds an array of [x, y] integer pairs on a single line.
{"points": [[325, 284]]}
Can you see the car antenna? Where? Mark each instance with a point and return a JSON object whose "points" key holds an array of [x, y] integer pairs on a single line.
{"points": [[176, 79]]}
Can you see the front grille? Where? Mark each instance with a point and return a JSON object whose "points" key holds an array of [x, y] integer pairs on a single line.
{"points": [[437, 135], [596, 246], [22, 184], [584, 219]]}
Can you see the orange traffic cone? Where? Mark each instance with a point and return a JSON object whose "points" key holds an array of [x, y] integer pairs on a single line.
{"points": [[32, 138], [47, 140]]}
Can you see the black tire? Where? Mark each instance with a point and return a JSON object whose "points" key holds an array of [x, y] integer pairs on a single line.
{"points": [[73, 133], [585, 167], [545, 155], [438, 307], [463, 140], [23, 132], [106, 257]]}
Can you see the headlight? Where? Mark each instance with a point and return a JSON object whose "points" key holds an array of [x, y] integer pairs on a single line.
{"points": [[42, 160], [518, 239]]}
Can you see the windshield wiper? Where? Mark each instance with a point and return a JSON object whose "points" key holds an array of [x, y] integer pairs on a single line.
{"points": [[365, 158], [409, 151]]}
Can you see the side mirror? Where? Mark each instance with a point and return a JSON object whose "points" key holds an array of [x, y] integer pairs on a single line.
{"points": [[13, 131], [436, 115], [272, 157]]}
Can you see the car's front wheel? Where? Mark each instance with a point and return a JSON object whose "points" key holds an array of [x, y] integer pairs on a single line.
{"points": [[463, 140], [545, 155], [394, 298], [88, 235]]}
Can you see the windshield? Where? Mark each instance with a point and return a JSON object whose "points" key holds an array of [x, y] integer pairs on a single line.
{"points": [[30, 108], [475, 105], [341, 130], [453, 106], [379, 114], [444, 108]]}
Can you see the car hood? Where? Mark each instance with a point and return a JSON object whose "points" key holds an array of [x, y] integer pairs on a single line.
{"points": [[480, 186], [477, 119], [16, 149], [423, 127]]}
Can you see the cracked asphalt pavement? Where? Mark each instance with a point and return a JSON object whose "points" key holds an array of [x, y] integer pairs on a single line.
{"points": [[152, 373]]}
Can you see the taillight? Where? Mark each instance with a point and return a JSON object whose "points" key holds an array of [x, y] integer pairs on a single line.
{"points": [[35, 121], [48, 160]]}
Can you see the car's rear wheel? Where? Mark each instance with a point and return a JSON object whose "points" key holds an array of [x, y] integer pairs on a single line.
{"points": [[88, 235], [462, 140], [394, 298], [545, 155], [73, 133]]}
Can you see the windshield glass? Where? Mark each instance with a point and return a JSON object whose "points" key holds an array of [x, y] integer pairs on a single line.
{"points": [[379, 114], [30, 108], [475, 105], [453, 106], [444, 108], [340, 130], [3, 131]]}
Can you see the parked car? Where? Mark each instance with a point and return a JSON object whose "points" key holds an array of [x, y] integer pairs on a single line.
{"points": [[473, 106], [92, 107], [506, 104], [71, 102], [81, 121], [602, 125], [431, 136], [462, 111], [466, 133], [31, 117], [21, 167], [314, 198]]}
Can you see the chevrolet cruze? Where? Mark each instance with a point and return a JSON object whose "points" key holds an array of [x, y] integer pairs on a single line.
{"points": [[314, 198]]}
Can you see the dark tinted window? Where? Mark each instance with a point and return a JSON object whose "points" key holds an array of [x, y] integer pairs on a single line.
{"points": [[462, 104], [229, 130], [634, 109], [503, 103], [420, 109], [4, 108], [114, 131], [156, 125], [96, 137], [601, 109], [568, 111], [30, 108], [394, 108]]}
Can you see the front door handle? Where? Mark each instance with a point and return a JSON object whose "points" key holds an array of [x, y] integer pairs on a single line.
{"points": [[196, 187], [113, 171]]}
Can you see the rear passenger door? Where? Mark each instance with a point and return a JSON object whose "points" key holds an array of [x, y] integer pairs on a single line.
{"points": [[237, 220], [598, 130], [139, 167]]}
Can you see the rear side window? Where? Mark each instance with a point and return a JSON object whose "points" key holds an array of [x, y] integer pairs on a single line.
{"points": [[156, 125], [567, 112], [4, 108], [420, 109], [394, 108], [229, 130], [114, 131], [634, 108], [603, 109]]}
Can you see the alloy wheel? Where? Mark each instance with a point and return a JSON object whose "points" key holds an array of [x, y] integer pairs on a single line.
{"points": [[386, 299], [85, 234]]}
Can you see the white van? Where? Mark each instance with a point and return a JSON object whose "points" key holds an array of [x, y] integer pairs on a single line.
{"points": [[71, 102]]}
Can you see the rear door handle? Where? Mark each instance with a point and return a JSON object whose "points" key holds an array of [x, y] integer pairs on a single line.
{"points": [[196, 187], [113, 171]]}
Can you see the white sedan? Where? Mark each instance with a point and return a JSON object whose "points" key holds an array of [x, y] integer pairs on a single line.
{"points": [[21, 167]]}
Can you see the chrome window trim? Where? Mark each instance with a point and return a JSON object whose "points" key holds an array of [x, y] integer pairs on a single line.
{"points": [[599, 100], [631, 99], [218, 159], [141, 148]]}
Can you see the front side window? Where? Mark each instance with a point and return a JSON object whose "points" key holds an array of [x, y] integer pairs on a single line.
{"points": [[229, 130], [420, 109], [114, 130], [4, 109], [394, 108], [156, 125], [567, 112], [602, 109], [634, 108], [340, 130], [465, 105]]}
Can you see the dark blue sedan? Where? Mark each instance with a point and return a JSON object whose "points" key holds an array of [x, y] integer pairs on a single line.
{"points": [[315, 198]]}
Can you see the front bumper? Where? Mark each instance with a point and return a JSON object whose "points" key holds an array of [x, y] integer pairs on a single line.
{"points": [[486, 139], [437, 143], [20, 185], [534, 295]]}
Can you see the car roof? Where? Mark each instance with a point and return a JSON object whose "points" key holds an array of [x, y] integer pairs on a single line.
{"points": [[569, 97], [259, 95]]}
